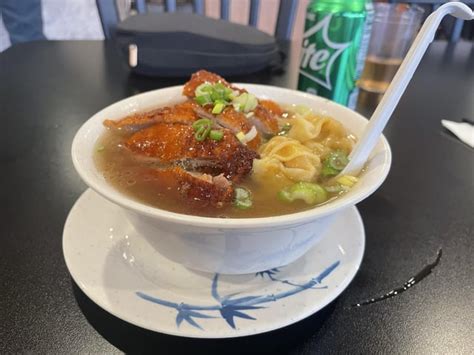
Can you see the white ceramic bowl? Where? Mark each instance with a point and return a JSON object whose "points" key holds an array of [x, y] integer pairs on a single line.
{"points": [[231, 245]]}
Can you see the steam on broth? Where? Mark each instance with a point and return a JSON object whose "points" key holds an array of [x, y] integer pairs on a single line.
{"points": [[223, 152]]}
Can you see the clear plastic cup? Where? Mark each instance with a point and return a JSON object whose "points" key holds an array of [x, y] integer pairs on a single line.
{"points": [[393, 31]]}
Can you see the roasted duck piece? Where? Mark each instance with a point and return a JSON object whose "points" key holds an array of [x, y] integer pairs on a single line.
{"points": [[201, 170], [203, 76], [202, 190], [176, 144], [180, 113], [264, 120]]}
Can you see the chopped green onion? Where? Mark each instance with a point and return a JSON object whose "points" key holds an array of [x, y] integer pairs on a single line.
{"points": [[243, 205], [234, 94], [309, 192], [245, 102], [251, 103], [240, 136], [217, 94], [218, 107], [328, 171], [216, 135], [203, 100], [202, 132], [285, 196], [334, 163], [243, 198], [203, 89], [228, 94], [220, 92], [202, 128], [202, 122], [337, 160], [101, 148]]}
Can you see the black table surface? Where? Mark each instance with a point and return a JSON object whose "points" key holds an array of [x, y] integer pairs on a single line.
{"points": [[48, 89]]}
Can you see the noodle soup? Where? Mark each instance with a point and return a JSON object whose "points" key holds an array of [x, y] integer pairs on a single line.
{"points": [[225, 153]]}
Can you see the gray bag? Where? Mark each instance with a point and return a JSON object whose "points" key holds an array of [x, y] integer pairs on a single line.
{"points": [[178, 44]]}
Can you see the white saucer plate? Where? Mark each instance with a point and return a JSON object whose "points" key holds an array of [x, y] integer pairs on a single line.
{"points": [[123, 274]]}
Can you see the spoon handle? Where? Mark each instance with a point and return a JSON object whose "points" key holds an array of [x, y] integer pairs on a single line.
{"points": [[399, 83]]}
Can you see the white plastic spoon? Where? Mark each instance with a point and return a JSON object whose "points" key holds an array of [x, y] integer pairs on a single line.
{"points": [[389, 101]]}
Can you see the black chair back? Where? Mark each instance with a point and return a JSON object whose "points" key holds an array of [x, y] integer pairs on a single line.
{"points": [[284, 27]]}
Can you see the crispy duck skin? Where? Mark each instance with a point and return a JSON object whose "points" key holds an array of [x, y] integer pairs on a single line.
{"points": [[202, 190], [175, 143], [265, 121], [180, 113], [271, 106], [238, 122], [203, 76]]}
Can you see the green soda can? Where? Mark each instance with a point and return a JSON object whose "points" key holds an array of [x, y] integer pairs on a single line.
{"points": [[335, 43]]}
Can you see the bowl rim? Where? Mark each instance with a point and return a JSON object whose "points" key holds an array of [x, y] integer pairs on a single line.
{"points": [[228, 223]]}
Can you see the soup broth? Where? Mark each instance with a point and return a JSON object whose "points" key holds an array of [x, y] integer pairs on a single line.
{"points": [[125, 171]]}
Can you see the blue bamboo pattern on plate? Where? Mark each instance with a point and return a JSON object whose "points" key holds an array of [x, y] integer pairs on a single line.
{"points": [[232, 306]]}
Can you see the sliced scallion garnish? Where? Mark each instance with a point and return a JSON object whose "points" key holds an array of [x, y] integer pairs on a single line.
{"points": [[243, 198], [203, 100], [202, 122], [219, 106], [308, 192], [203, 89], [245, 102], [328, 171], [216, 94], [216, 135], [202, 132], [334, 163], [202, 128], [240, 136], [338, 160]]}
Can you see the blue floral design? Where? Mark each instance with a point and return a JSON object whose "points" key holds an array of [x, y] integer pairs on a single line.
{"points": [[232, 306], [271, 274]]}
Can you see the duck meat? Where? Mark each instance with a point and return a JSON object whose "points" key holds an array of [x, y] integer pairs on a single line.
{"points": [[176, 144], [202, 190], [201, 77], [180, 113]]}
